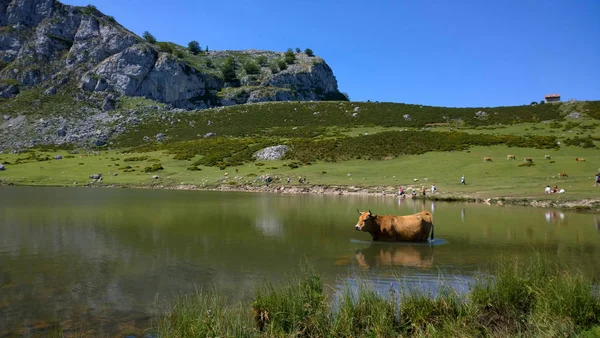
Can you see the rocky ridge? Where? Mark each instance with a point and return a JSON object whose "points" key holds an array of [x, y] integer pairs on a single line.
{"points": [[51, 52]]}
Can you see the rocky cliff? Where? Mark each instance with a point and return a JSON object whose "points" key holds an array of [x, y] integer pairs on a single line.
{"points": [[46, 44], [63, 68]]}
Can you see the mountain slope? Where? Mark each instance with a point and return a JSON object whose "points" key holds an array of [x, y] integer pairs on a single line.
{"points": [[80, 52]]}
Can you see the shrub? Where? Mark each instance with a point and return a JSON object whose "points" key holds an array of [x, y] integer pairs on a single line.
{"points": [[309, 52], [149, 37], [194, 168], [194, 47], [282, 65], [135, 159], [165, 47], [251, 68], [228, 70], [289, 57], [274, 68], [262, 60], [153, 168]]}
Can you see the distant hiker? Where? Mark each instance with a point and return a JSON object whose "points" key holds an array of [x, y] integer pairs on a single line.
{"points": [[433, 188], [462, 180], [288, 180], [597, 179], [236, 170]]}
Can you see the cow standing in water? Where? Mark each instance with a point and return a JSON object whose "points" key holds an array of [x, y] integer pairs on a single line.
{"points": [[409, 228]]}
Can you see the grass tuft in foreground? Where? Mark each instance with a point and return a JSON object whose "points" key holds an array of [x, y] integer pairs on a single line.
{"points": [[526, 299]]}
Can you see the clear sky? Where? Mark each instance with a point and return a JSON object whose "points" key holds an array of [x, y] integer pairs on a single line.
{"points": [[456, 53]]}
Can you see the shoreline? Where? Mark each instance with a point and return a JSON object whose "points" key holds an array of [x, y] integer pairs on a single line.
{"points": [[591, 205]]}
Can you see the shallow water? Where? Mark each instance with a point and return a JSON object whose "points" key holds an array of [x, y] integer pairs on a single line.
{"points": [[94, 261]]}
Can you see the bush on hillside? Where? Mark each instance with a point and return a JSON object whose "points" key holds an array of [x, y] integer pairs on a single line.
{"points": [[149, 37], [309, 52], [282, 64], [251, 68], [262, 60], [194, 47], [289, 57], [228, 70]]}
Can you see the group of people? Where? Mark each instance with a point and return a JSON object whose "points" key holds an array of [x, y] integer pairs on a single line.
{"points": [[554, 190], [401, 192]]}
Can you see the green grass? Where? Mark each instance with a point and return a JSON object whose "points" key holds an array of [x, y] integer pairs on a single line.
{"points": [[499, 178], [519, 298]]}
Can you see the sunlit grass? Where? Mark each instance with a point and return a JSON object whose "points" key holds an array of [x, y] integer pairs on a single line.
{"points": [[520, 298]]}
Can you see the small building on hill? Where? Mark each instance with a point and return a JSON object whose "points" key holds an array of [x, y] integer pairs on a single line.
{"points": [[552, 98]]}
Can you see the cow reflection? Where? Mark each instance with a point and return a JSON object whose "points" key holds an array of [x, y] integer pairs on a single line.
{"points": [[378, 255]]}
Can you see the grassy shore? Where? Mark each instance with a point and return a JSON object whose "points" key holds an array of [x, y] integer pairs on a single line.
{"points": [[501, 180], [525, 299]]}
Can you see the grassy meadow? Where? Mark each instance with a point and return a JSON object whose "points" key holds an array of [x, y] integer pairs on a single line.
{"points": [[361, 145], [524, 298]]}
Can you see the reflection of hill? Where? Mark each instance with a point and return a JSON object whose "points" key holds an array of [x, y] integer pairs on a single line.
{"points": [[397, 254]]}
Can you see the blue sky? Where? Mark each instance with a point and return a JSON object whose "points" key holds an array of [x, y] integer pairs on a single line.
{"points": [[461, 53]]}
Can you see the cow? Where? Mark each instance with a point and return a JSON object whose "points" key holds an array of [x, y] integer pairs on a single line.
{"points": [[511, 157], [390, 228], [579, 159], [562, 175], [547, 157], [527, 159], [487, 159]]}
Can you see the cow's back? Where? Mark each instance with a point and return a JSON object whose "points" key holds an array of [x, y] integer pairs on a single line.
{"points": [[414, 228]]}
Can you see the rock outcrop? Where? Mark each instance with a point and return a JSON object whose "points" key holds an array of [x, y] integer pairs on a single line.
{"points": [[44, 43]]}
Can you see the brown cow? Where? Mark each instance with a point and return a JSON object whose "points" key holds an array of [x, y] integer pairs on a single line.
{"points": [[409, 228], [487, 159], [579, 159], [528, 159], [562, 175], [511, 157]]}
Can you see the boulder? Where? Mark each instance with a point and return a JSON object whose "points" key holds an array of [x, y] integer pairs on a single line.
{"points": [[2, 167], [58, 157], [96, 176], [271, 153]]}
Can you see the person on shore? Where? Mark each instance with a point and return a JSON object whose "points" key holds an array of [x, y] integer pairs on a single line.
{"points": [[400, 192], [555, 189], [288, 180], [548, 190], [462, 180], [433, 189], [423, 190], [414, 193], [597, 179]]}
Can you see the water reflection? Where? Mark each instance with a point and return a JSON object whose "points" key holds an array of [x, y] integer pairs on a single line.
{"points": [[98, 257], [379, 255]]}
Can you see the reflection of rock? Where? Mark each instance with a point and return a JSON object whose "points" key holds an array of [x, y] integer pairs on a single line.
{"points": [[380, 255], [269, 226]]}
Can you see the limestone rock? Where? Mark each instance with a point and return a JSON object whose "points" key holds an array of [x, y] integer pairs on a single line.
{"points": [[271, 153]]}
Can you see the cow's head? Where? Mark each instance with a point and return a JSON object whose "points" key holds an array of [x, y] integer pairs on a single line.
{"points": [[366, 221]]}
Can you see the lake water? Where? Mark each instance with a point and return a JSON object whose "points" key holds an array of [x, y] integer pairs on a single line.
{"points": [[94, 261]]}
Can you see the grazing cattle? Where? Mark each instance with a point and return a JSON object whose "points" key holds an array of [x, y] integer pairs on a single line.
{"points": [[487, 159], [528, 159], [562, 175], [547, 157], [511, 157], [409, 228], [579, 159]]}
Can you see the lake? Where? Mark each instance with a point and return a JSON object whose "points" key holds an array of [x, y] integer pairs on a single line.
{"points": [[95, 261]]}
